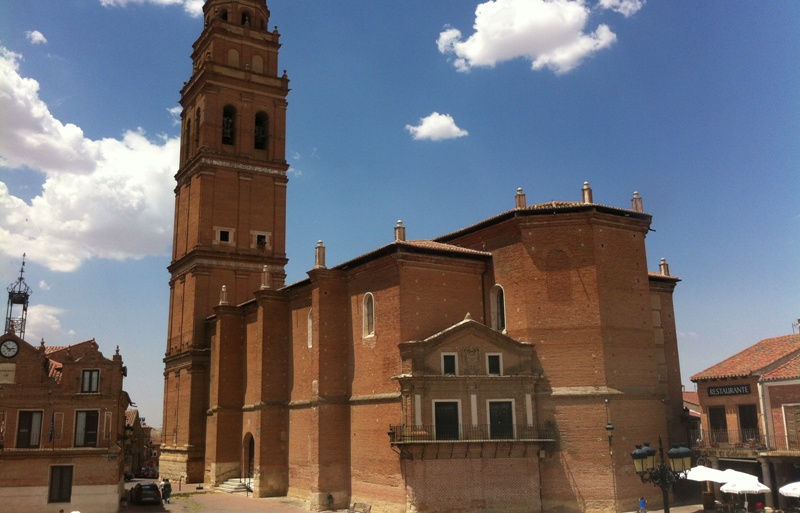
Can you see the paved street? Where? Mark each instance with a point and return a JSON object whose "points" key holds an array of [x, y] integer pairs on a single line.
{"points": [[191, 500]]}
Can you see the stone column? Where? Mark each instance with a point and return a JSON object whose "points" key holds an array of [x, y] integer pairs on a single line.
{"points": [[765, 470]]}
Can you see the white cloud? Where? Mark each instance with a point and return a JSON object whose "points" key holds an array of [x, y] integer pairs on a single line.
{"points": [[192, 7], [44, 285], [626, 8], [43, 323], [436, 127], [110, 198], [175, 114], [35, 37], [550, 34]]}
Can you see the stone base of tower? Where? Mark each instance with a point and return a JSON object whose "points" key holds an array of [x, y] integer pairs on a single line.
{"points": [[188, 466]]}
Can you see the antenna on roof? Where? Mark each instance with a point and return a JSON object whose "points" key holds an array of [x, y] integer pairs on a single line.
{"points": [[796, 326]]}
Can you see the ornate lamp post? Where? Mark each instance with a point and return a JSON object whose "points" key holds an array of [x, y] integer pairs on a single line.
{"points": [[661, 475]]}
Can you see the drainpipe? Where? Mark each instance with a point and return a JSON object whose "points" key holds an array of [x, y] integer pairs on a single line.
{"points": [[765, 413]]}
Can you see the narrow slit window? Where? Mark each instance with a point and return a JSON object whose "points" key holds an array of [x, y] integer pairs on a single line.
{"points": [[369, 315], [260, 140]]}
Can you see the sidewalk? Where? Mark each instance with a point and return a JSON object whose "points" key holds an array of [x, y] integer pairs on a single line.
{"points": [[683, 508]]}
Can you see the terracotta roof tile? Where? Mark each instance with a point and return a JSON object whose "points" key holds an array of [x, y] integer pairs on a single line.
{"points": [[130, 417], [754, 360], [789, 370], [691, 398], [546, 207], [429, 244]]}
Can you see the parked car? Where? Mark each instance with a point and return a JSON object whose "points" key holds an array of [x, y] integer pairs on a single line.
{"points": [[128, 476], [144, 493], [145, 472]]}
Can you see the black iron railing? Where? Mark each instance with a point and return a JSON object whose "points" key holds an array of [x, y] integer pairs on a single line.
{"points": [[729, 438], [409, 434]]}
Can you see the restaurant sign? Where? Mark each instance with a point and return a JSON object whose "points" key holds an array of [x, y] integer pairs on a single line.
{"points": [[729, 390]]}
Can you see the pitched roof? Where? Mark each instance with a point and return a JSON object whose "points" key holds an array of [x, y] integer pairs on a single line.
{"points": [[759, 359], [131, 416], [691, 398], [550, 207], [789, 370]]}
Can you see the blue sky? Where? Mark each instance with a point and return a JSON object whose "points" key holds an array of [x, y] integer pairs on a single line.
{"points": [[429, 112]]}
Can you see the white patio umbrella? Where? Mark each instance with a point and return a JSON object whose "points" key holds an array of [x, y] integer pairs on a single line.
{"points": [[703, 473], [790, 490], [735, 475], [745, 485]]}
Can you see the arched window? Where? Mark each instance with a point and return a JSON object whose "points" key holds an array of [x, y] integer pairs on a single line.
{"points": [[197, 128], [187, 138], [369, 315], [497, 298], [310, 328], [245, 18], [260, 138], [224, 15], [228, 124]]}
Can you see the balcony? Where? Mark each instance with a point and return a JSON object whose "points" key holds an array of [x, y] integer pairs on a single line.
{"points": [[405, 434], [729, 439], [469, 441]]}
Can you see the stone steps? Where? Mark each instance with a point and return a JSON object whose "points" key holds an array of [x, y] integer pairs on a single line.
{"points": [[236, 485]]}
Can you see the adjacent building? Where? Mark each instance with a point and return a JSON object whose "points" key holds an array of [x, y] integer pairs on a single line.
{"points": [[62, 413], [62, 419], [750, 413], [474, 372]]}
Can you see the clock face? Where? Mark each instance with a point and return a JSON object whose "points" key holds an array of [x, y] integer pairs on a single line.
{"points": [[9, 349]]}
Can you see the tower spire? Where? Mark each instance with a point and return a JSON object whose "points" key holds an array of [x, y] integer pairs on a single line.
{"points": [[19, 294]]}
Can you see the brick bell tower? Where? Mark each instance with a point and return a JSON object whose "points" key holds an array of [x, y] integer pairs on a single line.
{"points": [[230, 207]]}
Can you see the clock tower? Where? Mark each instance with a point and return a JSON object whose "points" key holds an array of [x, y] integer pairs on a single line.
{"points": [[230, 206]]}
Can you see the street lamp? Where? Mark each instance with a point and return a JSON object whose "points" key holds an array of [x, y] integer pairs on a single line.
{"points": [[661, 475]]}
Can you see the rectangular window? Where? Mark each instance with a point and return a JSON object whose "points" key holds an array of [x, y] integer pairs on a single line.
{"points": [[60, 484], [225, 235], [494, 365], [29, 429], [501, 420], [260, 240], [748, 422], [446, 418], [718, 424], [90, 381], [449, 366], [86, 429], [791, 416]]}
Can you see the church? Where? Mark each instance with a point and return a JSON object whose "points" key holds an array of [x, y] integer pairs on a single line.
{"points": [[509, 366]]}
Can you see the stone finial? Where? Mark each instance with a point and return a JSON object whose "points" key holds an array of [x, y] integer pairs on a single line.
{"points": [[519, 199], [636, 202], [266, 278], [664, 267], [468, 317], [399, 231], [586, 193], [223, 295], [319, 259]]}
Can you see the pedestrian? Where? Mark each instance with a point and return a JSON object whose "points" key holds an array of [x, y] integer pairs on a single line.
{"points": [[642, 505], [166, 490]]}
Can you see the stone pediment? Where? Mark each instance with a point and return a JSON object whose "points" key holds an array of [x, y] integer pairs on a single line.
{"points": [[470, 342]]}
